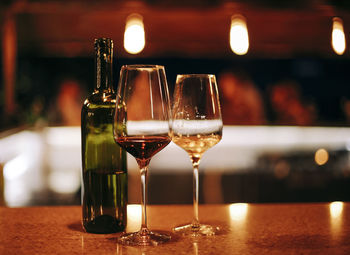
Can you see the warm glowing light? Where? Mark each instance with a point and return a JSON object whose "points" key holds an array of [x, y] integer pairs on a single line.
{"points": [[134, 35], [239, 40], [336, 209], [134, 215], [338, 36], [238, 211], [321, 157]]}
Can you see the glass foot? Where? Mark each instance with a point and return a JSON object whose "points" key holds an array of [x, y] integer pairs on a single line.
{"points": [[143, 238], [196, 230]]}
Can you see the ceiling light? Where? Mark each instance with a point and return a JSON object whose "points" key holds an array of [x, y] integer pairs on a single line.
{"points": [[239, 39], [134, 35], [338, 36]]}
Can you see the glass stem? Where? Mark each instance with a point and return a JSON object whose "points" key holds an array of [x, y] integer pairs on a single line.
{"points": [[143, 164], [195, 163]]}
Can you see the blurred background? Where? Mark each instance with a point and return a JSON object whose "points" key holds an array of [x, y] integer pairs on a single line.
{"points": [[283, 73]]}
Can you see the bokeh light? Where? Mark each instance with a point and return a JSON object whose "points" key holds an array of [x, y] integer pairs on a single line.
{"points": [[239, 39], [134, 35]]}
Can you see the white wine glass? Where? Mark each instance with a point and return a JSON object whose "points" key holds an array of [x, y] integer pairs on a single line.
{"points": [[141, 127], [196, 127]]}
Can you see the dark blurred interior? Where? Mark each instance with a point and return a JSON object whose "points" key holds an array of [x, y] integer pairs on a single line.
{"points": [[290, 76]]}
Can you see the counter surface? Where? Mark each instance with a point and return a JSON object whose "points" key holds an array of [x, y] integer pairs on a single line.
{"points": [[320, 228]]}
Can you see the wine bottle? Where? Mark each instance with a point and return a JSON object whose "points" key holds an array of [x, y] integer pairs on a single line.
{"points": [[104, 186]]}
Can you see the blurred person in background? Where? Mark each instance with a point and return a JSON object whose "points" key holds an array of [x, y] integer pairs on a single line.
{"points": [[67, 106], [288, 106], [241, 101]]}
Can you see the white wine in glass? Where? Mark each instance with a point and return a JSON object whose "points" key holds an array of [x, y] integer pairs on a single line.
{"points": [[196, 127], [142, 128]]}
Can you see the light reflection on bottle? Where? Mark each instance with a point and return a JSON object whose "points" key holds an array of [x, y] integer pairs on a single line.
{"points": [[133, 218]]}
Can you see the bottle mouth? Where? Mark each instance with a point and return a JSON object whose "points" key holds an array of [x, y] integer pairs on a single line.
{"points": [[104, 43]]}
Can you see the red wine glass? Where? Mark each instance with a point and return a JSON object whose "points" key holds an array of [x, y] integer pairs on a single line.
{"points": [[141, 127]]}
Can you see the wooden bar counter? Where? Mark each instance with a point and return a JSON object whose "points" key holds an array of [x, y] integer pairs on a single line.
{"points": [[316, 228]]}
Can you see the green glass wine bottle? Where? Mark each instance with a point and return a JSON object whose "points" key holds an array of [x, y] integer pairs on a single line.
{"points": [[104, 186]]}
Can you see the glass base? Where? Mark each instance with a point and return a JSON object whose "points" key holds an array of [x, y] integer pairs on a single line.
{"points": [[196, 230], [143, 238]]}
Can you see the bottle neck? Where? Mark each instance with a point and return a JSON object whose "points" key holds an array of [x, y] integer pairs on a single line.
{"points": [[103, 64]]}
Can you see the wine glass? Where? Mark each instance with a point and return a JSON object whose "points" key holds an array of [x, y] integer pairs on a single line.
{"points": [[141, 127], [196, 126]]}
